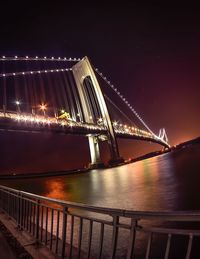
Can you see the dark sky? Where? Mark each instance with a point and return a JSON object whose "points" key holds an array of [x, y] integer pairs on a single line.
{"points": [[150, 51]]}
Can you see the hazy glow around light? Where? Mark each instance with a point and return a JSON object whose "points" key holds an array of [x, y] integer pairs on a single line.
{"points": [[43, 107], [17, 102]]}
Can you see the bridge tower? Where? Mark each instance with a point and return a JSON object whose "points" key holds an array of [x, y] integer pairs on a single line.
{"points": [[84, 74]]}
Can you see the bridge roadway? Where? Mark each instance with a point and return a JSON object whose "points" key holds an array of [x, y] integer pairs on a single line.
{"points": [[12, 121]]}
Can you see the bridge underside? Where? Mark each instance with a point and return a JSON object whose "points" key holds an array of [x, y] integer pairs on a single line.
{"points": [[135, 137], [8, 124]]}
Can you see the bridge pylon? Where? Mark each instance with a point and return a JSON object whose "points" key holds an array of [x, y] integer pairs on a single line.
{"points": [[96, 161], [87, 82]]}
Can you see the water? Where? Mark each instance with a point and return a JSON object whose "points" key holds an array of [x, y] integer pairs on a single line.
{"points": [[167, 182]]}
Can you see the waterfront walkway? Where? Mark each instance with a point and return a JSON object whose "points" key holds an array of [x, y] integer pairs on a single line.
{"points": [[52, 228], [5, 250]]}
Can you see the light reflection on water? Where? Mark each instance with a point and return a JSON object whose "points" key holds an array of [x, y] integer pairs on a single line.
{"points": [[159, 183]]}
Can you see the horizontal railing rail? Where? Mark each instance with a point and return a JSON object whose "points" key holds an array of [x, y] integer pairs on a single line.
{"points": [[77, 230]]}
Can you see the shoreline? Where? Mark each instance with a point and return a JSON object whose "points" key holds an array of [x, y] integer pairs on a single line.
{"points": [[77, 170], [84, 170]]}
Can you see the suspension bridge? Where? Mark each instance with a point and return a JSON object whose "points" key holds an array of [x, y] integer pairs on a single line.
{"points": [[70, 96]]}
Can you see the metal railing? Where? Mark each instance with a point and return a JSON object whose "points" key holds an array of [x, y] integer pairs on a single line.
{"points": [[72, 230]]}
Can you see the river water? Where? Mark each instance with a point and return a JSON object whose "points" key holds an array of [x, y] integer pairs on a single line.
{"points": [[166, 182]]}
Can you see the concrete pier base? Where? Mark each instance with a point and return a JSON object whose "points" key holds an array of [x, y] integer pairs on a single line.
{"points": [[116, 162], [96, 166]]}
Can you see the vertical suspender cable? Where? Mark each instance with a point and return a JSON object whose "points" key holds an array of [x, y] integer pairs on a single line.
{"points": [[68, 88], [77, 98]]}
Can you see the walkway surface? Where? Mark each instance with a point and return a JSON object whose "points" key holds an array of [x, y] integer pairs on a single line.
{"points": [[24, 244], [5, 250]]}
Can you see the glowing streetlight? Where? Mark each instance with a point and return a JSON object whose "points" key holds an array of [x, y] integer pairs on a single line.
{"points": [[62, 111], [43, 107], [18, 103]]}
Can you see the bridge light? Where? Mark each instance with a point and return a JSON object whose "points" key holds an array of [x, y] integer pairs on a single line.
{"points": [[43, 107], [3, 57], [17, 102], [26, 57], [16, 56]]}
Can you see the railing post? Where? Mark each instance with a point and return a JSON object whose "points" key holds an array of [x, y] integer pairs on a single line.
{"points": [[1, 199], [114, 236], [132, 238], [19, 211], [64, 231], [9, 203], [37, 220]]}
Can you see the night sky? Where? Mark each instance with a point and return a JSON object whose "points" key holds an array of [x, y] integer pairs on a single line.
{"points": [[151, 52]]}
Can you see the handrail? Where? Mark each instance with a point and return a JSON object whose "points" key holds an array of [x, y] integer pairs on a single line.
{"points": [[105, 210], [59, 225]]}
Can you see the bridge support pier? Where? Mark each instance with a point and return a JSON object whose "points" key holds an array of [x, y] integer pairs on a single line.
{"points": [[85, 79], [94, 153]]}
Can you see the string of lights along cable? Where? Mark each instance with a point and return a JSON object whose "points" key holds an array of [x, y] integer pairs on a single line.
{"points": [[39, 90]]}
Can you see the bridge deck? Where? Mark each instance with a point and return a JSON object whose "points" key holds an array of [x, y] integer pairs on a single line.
{"points": [[29, 123]]}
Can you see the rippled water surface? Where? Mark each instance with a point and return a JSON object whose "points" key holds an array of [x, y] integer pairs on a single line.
{"points": [[167, 182]]}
